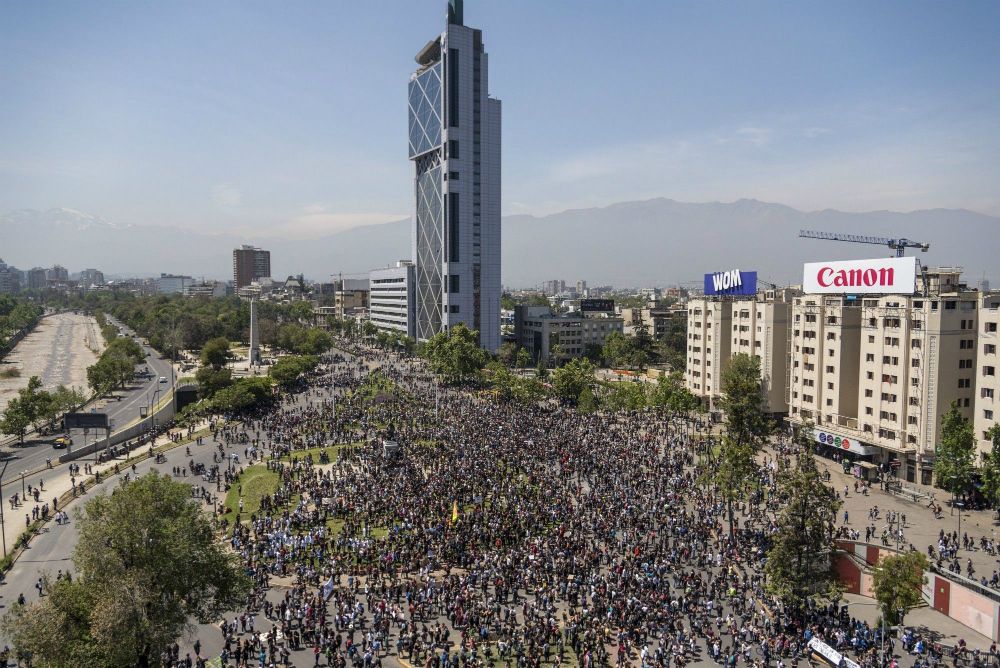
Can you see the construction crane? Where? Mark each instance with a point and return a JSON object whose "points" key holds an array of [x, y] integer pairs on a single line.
{"points": [[899, 245]]}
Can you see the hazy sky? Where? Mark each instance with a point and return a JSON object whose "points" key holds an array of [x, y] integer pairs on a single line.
{"points": [[292, 115]]}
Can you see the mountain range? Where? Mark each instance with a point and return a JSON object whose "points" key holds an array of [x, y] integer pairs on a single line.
{"points": [[652, 242]]}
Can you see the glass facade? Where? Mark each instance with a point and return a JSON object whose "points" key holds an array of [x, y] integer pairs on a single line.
{"points": [[425, 110], [430, 245]]}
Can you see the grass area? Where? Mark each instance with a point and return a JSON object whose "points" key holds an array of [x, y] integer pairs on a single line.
{"points": [[12, 372], [256, 482]]}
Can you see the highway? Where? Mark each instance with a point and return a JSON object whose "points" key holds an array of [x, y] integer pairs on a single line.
{"points": [[122, 407]]}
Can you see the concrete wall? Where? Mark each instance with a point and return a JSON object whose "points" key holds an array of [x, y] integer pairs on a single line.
{"points": [[164, 415], [962, 600]]}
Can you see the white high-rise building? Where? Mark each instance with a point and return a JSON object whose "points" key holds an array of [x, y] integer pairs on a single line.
{"points": [[454, 135], [390, 301]]}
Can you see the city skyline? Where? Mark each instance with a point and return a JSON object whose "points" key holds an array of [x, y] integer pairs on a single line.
{"points": [[887, 107]]}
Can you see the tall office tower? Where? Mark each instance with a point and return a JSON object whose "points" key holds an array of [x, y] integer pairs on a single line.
{"points": [[454, 132], [249, 264]]}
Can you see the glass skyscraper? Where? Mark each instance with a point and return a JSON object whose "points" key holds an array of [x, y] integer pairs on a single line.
{"points": [[454, 133]]}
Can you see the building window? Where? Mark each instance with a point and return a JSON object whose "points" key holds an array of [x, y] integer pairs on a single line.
{"points": [[989, 371], [453, 88], [453, 148], [453, 283], [453, 240], [453, 308]]}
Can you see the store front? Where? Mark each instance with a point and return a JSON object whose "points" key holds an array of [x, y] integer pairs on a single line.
{"points": [[856, 458]]}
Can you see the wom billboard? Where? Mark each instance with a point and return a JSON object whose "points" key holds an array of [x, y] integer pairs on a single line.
{"points": [[896, 275], [732, 282]]}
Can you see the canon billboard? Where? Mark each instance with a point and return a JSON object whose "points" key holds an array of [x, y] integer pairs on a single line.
{"points": [[896, 275]]}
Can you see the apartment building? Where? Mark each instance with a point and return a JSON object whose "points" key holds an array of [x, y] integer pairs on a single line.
{"points": [[708, 347], [987, 399], [874, 373], [721, 327]]}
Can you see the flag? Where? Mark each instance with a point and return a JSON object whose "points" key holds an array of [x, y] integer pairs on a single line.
{"points": [[454, 512]]}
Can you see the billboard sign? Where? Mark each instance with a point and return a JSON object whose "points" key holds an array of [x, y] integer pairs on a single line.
{"points": [[597, 305], [86, 421], [842, 443], [732, 282], [891, 275]]}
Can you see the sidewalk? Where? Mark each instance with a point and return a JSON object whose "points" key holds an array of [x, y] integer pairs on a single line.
{"points": [[921, 528], [57, 484]]}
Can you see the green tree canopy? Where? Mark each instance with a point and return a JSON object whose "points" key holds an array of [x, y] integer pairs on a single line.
{"points": [[147, 561], [799, 564], [955, 454], [289, 369], [746, 429], [897, 582], [215, 352], [569, 380], [455, 355]]}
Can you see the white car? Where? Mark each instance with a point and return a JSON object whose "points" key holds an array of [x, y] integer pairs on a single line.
{"points": [[163, 379]]}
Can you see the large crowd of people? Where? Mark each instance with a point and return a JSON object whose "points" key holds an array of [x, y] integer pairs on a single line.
{"points": [[504, 534]]}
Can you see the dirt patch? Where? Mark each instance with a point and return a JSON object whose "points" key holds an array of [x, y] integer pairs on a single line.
{"points": [[58, 351]]}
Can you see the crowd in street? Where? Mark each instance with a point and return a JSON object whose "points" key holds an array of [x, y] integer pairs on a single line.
{"points": [[506, 534]]}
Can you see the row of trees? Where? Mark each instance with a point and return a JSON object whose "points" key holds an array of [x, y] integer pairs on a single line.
{"points": [[116, 365], [16, 316], [172, 323], [799, 565], [36, 407]]}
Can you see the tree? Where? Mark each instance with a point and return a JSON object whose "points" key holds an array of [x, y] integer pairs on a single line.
{"points": [[215, 353], [455, 355], [147, 562], [508, 353], [523, 358], [570, 380], [585, 402], [798, 562], [211, 380], [617, 350], [16, 419], [746, 429], [626, 397], [288, 370], [897, 583], [991, 468], [954, 455]]}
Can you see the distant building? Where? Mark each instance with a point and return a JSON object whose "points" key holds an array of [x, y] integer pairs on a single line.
{"points": [[206, 289], [37, 278], [57, 274], [171, 284], [91, 277], [546, 335], [654, 320], [391, 298], [250, 264], [10, 279], [349, 303]]}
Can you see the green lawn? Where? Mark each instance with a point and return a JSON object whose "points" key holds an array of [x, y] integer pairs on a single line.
{"points": [[257, 482]]}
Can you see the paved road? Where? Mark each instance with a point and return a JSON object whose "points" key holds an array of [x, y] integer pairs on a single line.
{"points": [[122, 409]]}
